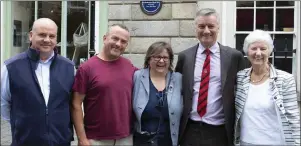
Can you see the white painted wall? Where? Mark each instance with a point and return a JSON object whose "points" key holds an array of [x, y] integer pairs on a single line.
{"points": [[229, 23], [96, 28], [1, 34], [298, 53], [21, 13]]}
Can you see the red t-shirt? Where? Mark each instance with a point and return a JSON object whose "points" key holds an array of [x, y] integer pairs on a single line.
{"points": [[108, 102]]}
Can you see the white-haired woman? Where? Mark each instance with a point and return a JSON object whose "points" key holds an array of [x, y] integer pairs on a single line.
{"points": [[266, 101]]}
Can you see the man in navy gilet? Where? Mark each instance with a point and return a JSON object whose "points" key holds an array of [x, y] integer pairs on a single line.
{"points": [[35, 91]]}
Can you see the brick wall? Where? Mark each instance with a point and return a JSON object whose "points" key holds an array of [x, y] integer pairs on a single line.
{"points": [[173, 24]]}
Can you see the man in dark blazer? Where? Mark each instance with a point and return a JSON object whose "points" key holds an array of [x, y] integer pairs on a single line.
{"points": [[209, 74]]}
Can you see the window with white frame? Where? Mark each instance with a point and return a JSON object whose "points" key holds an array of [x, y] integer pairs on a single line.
{"points": [[276, 17]]}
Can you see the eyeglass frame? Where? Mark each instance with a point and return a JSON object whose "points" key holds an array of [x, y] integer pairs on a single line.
{"points": [[158, 58]]}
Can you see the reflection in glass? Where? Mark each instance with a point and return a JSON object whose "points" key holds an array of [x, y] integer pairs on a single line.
{"points": [[285, 20], [283, 42], [284, 64], [264, 3], [244, 19], [245, 4], [240, 38], [264, 19], [17, 34], [285, 3], [22, 20], [77, 31]]}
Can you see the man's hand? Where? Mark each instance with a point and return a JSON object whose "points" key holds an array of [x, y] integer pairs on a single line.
{"points": [[77, 116], [84, 142]]}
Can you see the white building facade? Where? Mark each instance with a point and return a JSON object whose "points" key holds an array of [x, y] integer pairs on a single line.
{"points": [[173, 24]]}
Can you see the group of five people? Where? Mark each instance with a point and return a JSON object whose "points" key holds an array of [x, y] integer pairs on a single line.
{"points": [[209, 99]]}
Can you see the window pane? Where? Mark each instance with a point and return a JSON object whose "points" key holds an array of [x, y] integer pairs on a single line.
{"points": [[285, 3], [240, 38], [264, 3], [244, 19], [23, 17], [78, 4], [283, 42], [285, 19], [77, 31], [264, 19], [245, 4], [284, 64]]}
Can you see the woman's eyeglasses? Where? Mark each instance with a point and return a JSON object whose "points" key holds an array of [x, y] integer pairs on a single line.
{"points": [[158, 58]]}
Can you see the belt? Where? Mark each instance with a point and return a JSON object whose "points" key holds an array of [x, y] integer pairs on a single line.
{"points": [[203, 124]]}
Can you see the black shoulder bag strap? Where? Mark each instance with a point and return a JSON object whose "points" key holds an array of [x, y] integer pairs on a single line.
{"points": [[153, 139]]}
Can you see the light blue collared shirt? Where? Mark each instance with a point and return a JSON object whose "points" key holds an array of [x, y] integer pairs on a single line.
{"points": [[214, 114], [42, 73]]}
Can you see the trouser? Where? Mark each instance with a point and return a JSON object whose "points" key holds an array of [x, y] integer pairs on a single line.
{"points": [[202, 134], [127, 141]]}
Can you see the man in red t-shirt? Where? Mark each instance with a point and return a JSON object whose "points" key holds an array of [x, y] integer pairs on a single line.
{"points": [[104, 85]]}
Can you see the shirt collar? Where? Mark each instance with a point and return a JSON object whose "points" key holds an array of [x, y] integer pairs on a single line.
{"points": [[214, 49], [49, 59]]}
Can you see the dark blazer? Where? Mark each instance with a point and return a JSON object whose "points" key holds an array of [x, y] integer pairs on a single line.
{"points": [[232, 61]]}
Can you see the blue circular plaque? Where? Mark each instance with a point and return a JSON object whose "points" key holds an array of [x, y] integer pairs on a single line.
{"points": [[150, 7]]}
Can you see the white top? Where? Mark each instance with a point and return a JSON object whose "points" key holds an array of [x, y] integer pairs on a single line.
{"points": [[215, 113], [259, 121]]}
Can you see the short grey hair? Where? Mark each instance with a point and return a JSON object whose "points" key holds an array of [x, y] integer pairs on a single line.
{"points": [[258, 35], [206, 12], [120, 25]]}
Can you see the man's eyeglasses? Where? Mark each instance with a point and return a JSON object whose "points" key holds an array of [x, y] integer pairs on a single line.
{"points": [[158, 58]]}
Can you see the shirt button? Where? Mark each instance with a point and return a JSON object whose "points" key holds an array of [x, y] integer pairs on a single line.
{"points": [[275, 97], [174, 134], [172, 113], [173, 123]]}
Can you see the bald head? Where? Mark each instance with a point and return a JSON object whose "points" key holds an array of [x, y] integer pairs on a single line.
{"points": [[43, 36], [43, 22]]}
